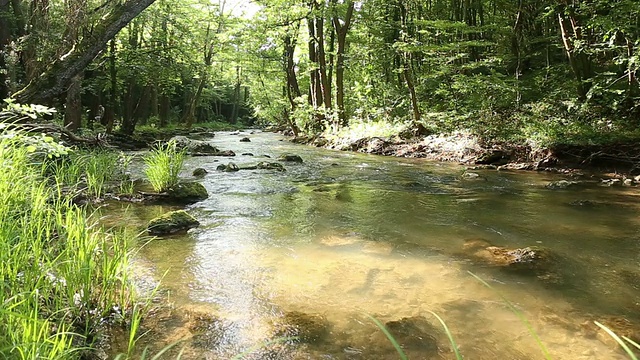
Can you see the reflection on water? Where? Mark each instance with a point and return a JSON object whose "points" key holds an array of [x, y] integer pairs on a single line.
{"points": [[344, 235]]}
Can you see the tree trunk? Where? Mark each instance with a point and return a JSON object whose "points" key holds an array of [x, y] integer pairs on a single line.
{"points": [[579, 60], [315, 90], [322, 61], [341, 31], [5, 39], [55, 79], [189, 117], [110, 112], [163, 113], [236, 98], [73, 104]]}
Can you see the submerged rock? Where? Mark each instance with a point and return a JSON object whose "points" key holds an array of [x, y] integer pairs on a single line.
{"points": [[619, 325], [290, 158], [562, 184], [467, 175], [585, 203], [199, 172], [528, 260], [307, 327], [245, 139], [187, 192], [414, 333], [172, 222]]}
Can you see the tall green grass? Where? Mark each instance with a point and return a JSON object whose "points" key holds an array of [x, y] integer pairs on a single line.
{"points": [[86, 172], [61, 277], [163, 166]]}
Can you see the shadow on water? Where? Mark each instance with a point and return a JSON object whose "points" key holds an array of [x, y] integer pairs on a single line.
{"points": [[309, 251]]}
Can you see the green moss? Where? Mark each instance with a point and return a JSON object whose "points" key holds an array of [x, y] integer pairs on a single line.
{"points": [[187, 192], [172, 222]]}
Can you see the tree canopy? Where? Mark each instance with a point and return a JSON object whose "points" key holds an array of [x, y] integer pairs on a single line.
{"points": [[495, 67]]}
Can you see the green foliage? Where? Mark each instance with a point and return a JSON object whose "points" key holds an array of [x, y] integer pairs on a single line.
{"points": [[366, 129], [163, 166], [92, 170], [61, 277]]}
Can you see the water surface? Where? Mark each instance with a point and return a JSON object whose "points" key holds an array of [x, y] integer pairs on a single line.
{"points": [[344, 235]]}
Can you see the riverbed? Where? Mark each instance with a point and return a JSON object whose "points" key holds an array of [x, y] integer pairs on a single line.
{"points": [[344, 236]]}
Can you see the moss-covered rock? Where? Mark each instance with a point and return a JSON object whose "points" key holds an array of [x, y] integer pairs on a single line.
{"points": [[172, 222], [200, 172], [187, 193], [290, 158]]}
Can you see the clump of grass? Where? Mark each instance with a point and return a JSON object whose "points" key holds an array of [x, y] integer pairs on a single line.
{"points": [[89, 171], [61, 277], [163, 166], [100, 168]]}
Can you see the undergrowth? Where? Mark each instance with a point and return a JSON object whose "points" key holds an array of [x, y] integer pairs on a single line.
{"points": [[62, 278]]}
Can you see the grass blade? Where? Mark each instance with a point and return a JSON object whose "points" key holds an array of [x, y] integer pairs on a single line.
{"points": [[386, 332], [637, 346], [513, 309], [449, 335], [624, 345]]}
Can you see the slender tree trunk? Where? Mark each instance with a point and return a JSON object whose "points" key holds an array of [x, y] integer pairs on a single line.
{"points": [[579, 60], [5, 39], [236, 98], [153, 107], [632, 81], [110, 112], [407, 73], [342, 28], [322, 61]]}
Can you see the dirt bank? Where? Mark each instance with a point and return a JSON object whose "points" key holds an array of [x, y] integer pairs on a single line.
{"points": [[619, 160]]}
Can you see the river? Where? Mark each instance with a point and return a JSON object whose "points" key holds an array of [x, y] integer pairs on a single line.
{"points": [[346, 235]]}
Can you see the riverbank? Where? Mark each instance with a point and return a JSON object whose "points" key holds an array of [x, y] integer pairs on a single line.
{"points": [[616, 160]]}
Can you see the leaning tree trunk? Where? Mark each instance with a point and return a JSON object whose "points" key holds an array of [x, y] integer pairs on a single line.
{"points": [[54, 81]]}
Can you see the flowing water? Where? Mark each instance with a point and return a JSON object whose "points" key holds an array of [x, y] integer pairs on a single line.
{"points": [[345, 235]]}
